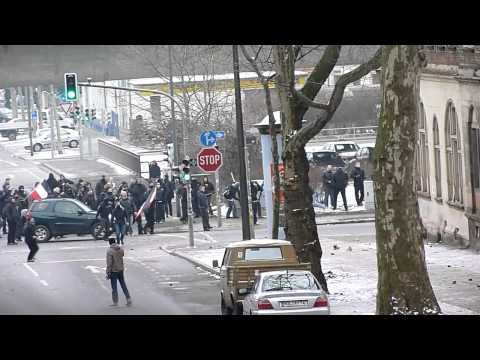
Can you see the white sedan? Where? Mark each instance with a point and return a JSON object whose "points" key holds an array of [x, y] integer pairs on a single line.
{"points": [[69, 138], [286, 292]]}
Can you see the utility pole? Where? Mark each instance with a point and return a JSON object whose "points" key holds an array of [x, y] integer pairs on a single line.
{"points": [[48, 105], [87, 105], [241, 147], [22, 103], [176, 157], [55, 120], [29, 109], [39, 107], [13, 101]]}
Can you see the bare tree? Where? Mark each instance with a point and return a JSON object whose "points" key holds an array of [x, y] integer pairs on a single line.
{"points": [[258, 65], [403, 282], [301, 228]]}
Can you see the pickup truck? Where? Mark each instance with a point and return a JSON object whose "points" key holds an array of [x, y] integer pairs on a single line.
{"points": [[13, 127], [243, 260]]}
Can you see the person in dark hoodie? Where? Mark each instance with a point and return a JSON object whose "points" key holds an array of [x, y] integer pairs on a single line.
{"points": [[150, 213], [120, 220], [358, 176], [115, 269], [29, 233], [154, 170], [100, 186], [340, 181], [160, 200], [203, 206], [328, 190], [12, 214]]}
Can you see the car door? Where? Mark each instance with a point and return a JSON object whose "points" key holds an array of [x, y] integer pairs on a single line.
{"points": [[223, 275], [70, 218]]}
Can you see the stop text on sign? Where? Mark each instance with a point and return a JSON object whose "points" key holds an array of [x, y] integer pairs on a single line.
{"points": [[209, 159]]}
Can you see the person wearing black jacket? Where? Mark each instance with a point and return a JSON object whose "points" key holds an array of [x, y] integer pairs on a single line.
{"points": [[51, 182], [3, 203], [160, 200], [358, 176], [127, 204], [104, 212], [184, 202], [340, 182], [100, 186], [328, 190], [203, 206], [120, 219], [13, 215], [138, 200], [169, 194], [150, 213], [231, 196], [193, 194], [29, 232], [209, 190], [254, 192], [154, 170]]}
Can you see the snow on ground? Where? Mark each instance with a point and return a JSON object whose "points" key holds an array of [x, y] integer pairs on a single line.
{"points": [[351, 272], [119, 170], [351, 202]]}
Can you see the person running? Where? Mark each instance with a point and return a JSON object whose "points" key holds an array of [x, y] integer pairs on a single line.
{"points": [[115, 269], [29, 233]]}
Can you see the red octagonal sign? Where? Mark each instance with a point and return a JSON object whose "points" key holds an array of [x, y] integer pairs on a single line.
{"points": [[209, 159]]}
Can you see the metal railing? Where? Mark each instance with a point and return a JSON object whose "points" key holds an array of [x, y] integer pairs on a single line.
{"points": [[350, 133]]}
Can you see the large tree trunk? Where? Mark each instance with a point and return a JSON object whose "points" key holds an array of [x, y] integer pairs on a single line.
{"points": [[300, 225], [403, 283], [275, 157]]}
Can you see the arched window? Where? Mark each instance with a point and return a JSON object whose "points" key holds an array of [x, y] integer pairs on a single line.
{"points": [[474, 158], [454, 156], [436, 152], [422, 159]]}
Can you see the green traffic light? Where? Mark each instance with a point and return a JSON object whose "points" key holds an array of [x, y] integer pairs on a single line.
{"points": [[71, 94]]}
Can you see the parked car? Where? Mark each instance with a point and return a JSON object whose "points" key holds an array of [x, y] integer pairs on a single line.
{"points": [[63, 122], [322, 158], [286, 292], [69, 138], [346, 149], [56, 217], [243, 260]]}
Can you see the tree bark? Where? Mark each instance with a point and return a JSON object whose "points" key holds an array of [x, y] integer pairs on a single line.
{"points": [[403, 282], [300, 225]]}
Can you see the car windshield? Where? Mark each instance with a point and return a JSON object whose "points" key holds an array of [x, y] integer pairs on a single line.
{"points": [[345, 147], [323, 156], [263, 253], [83, 206], [288, 281]]}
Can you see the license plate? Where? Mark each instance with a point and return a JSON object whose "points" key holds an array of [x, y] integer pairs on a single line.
{"points": [[293, 303]]}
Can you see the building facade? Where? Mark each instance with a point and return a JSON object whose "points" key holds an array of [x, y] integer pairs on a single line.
{"points": [[448, 151]]}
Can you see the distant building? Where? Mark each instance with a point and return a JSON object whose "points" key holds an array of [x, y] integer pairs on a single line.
{"points": [[448, 146]]}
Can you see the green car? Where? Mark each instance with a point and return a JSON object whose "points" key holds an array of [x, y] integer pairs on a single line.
{"points": [[57, 217]]}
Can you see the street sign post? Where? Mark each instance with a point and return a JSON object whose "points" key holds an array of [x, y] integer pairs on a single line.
{"points": [[209, 159], [208, 138], [219, 134]]}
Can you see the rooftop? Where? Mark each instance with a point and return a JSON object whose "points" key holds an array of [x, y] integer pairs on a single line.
{"points": [[258, 242]]}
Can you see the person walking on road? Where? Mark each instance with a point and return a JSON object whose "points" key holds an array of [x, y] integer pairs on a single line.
{"points": [[231, 195], [358, 176], [29, 232], [328, 190], [150, 214], [115, 271], [203, 206], [127, 204], [184, 203], [169, 194], [3, 203], [340, 182], [209, 190], [160, 200]]}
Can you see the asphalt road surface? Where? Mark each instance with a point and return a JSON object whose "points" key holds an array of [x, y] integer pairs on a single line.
{"points": [[69, 278]]}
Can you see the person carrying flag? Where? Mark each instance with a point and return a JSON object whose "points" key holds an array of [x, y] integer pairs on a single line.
{"points": [[149, 210]]}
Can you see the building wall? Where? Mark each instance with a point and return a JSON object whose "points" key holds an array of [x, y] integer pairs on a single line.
{"points": [[435, 92]]}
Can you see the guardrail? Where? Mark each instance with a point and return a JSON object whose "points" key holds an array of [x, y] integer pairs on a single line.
{"points": [[351, 133], [119, 155]]}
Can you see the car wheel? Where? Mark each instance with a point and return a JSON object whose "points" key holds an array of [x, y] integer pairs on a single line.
{"points": [[42, 233], [98, 231], [37, 147], [12, 136], [73, 143], [225, 309]]}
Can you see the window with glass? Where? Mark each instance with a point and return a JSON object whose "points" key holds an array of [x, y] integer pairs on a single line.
{"points": [[66, 207], [422, 181], [436, 152], [263, 253], [454, 156], [286, 281]]}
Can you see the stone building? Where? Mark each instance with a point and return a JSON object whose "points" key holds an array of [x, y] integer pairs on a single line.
{"points": [[448, 146]]}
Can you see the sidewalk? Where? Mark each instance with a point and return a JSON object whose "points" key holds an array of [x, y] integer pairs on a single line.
{"points": [[351, 270], [87, 169]]}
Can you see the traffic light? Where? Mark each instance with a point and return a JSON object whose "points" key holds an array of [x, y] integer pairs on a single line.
{"points": [[186, 170], [71, 89]]}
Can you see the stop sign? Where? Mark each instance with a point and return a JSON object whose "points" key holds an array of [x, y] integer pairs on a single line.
{"points": [[209, 159]]}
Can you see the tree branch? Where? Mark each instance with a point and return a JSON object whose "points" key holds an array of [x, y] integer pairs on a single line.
{"points": [[311, 103], [313, 128]]}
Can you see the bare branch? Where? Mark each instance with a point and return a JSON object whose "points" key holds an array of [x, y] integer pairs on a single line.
{"points": [[306, 53], [311, 103], [297, 50]]}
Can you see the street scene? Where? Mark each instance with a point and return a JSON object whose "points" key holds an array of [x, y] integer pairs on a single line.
{"points": [[232, 180]]}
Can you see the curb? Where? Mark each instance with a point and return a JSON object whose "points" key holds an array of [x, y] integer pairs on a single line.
{"points": [[358, 221], [360, 212], [191, 259]]}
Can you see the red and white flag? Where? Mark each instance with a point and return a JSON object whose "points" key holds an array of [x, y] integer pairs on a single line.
{"points": [[39, 193], [147, 203]]}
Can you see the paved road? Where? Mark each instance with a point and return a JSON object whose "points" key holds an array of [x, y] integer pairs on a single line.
{"points": [[21, 172], [69, 278]]}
